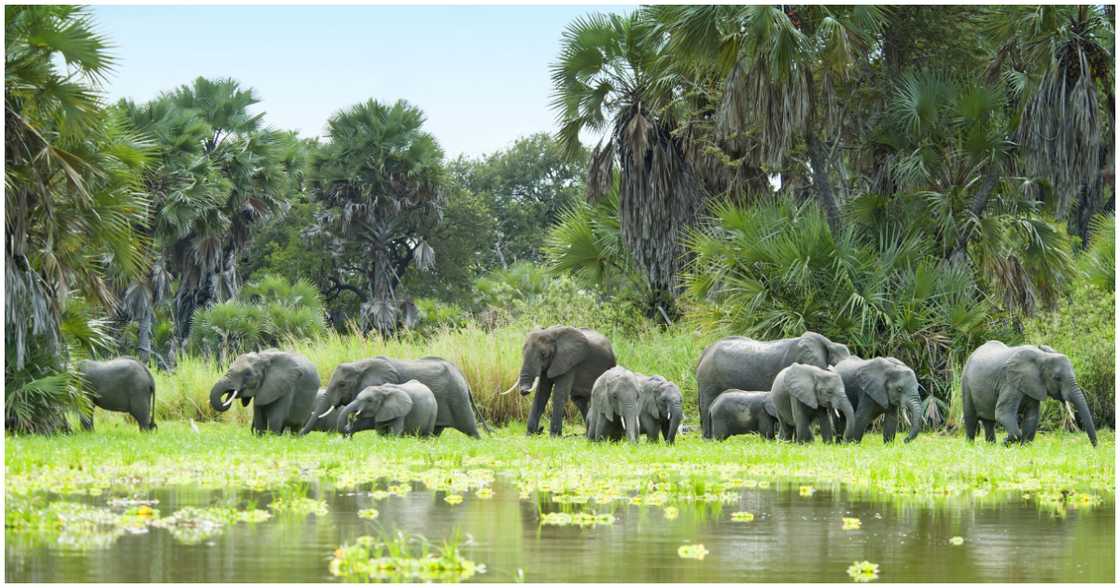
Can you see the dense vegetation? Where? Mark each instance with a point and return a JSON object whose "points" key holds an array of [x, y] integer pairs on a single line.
{"points": [[909, 180]]}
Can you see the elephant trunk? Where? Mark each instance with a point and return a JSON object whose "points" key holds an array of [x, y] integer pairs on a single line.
{"points": [[319, 409], [529, 377], [629, 418], [675, 417], [344, 418], [218, 392], [1077, 398], [915, 407], [849, 417]]}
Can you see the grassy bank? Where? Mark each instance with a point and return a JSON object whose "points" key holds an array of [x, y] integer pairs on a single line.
{"points": [[489, 359], [1057, 472]]}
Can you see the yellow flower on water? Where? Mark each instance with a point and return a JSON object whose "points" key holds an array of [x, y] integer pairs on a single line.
{"points": [[369, 513], [863, 571], [671, 512], [144, 511], [692, 551], [742, 516], [636, 500], [484, 493], [453, 499], [851, 523], [958, 540], [807, 490]]}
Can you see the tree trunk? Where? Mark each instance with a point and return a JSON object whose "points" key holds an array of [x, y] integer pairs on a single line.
{"points": [[145, 346], [820, 163], [976, 210]]}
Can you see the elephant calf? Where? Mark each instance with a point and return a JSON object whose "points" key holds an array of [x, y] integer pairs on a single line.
{"points": [[626, 403], [881, 386], [804, 393], [736, 412], [121, 385], [1000, 382], [660, 411], [395, 409]]}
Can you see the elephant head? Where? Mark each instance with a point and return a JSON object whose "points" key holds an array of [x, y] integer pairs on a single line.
{"points": [[892, 385], [620, 399], [550, 352], [382, 403], [1038, 371], [245, 379], [818, 350], [818, 388], [346, 382], [662, 399]]}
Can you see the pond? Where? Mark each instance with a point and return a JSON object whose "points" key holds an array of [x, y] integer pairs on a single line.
{"points": [[792, 533]]}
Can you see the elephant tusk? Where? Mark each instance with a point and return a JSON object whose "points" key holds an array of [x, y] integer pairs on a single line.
{"points": [[836, 412], [623, 421], [232, 397], [536, 380], [1069, 410], [511, 389], [329, 410]]}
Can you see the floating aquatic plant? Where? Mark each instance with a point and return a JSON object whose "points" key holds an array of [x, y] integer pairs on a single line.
{"points": [[850, 523], [697, 551], [453, 499], [958, 540], [368, 513], [671, 512], [742, 516], [402, 559], [863, 571]]}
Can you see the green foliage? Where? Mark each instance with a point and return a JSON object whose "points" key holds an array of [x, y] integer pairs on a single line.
{"points": [[775, 270], [265, 314], [1099, 262], [1083, 328]]}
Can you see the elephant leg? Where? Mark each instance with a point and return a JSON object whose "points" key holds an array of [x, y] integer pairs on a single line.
{"points": [[664, 432], [650, 426], [706, 399], [825, 418], [890, 425], [1007, 414], [276, 415], [801, 419], [970, 419], [989, 430], [540, 401], [259, 422], [396, 427], [561, 390], [581, 404], [863, 417], [1030, 419], [766, 427], [785, 431], [436, 431]]}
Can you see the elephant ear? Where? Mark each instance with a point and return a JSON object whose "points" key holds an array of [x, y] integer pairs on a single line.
{"points": [[396, 404], [809, 351], [872, 380], [650, 394], [1022, 373], [802, 386], [571, 349], [280, 376]]}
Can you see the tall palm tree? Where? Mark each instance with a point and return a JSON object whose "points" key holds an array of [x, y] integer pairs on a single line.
{"points": [[610, 77], [70, 181], [379, 178]]}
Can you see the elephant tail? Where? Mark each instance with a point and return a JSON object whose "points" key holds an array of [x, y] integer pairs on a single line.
{"points": [[478, 413], [151, 403]]}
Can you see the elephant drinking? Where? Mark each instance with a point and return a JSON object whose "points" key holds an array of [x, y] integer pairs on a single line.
{"points": [[281, 385], [395, 409]]}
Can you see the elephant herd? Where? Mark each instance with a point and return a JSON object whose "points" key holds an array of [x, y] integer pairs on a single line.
{"points": [[777, 389]]}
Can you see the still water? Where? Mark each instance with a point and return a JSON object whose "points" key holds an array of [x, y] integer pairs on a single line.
{"points": [[792, 538]]}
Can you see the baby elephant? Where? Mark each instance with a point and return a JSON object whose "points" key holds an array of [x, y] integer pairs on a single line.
{"points": [[628, 403], [393, 409], [122, 385], [659, 403], [804, 393], [736, 412]]}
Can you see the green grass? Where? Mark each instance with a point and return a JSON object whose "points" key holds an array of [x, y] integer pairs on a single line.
{"points": [[1059, 470]]}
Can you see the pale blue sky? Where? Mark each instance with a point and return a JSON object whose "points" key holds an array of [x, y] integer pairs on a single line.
{"points": [[480, 73]]}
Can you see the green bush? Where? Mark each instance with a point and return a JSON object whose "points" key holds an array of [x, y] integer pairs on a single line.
{"points": [[1099, 262], [1084, 329], [265, 313]]}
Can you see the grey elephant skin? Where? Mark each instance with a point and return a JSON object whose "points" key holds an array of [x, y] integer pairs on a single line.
{"points": [[561, 362], [614, 407], [738, 412], [120, 385], [741, 363], [280, 384], [805, 393], [392, 409], [881, 386], [1000, 382], [456, 408], [660, 413]]}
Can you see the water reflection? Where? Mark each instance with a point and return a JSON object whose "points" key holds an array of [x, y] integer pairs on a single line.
{"points": [[792, 538]]}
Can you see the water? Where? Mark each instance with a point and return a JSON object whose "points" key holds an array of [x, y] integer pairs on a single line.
{"points": [[793, 538]]}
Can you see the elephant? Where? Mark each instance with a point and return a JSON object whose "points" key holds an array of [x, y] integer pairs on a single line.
{"points": [[741, 363], [456, 408], [660, 411], [802, 393], [999, 382], [736, 412], [281, 384], [615, 404], [395, 409], [562, 362], [881, 385], [122, 385]]}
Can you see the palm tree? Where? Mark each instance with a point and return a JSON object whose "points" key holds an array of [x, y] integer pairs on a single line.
{"points": [[782, 66], [72, 201], [611, 77], [379, 178]]}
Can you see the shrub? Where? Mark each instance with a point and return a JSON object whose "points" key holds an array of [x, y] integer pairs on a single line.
{"points": [[1099, 262]]}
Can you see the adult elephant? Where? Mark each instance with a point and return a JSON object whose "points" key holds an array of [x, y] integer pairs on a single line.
{"points": [[741, 363], [881, 385], [1000, 382], [281, 385], [562, 362], [456, 408], [395, 409], [121, 385], [804, 393]]}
